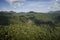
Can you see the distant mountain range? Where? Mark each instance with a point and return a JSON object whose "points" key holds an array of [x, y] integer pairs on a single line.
{"points": [[30, 12], [54, 12]]}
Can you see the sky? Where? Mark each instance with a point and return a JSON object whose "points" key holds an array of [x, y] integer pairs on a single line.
{"points": [[29, 5]]}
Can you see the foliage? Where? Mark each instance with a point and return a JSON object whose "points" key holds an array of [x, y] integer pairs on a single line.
{"points": [[35, 26]]}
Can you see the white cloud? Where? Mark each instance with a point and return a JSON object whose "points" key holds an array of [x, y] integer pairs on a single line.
{"points": [[55, 5], [34, 6], [15, 3], [5, 9]]}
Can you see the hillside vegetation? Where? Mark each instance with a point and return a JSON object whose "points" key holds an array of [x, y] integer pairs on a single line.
{"points": [[29, 26]]}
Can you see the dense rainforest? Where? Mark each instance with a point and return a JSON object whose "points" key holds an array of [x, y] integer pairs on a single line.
{"points": [[29, 26]]}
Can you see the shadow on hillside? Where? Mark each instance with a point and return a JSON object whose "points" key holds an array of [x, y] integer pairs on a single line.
{"points": [[39, 22], [57, 19], [4, 20]]}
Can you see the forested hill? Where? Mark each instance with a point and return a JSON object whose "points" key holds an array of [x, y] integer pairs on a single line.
{"points": [[29, 26], [10, 17]]}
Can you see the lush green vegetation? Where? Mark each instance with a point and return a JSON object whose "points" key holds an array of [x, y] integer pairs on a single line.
{"points": [[29, 26]]}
